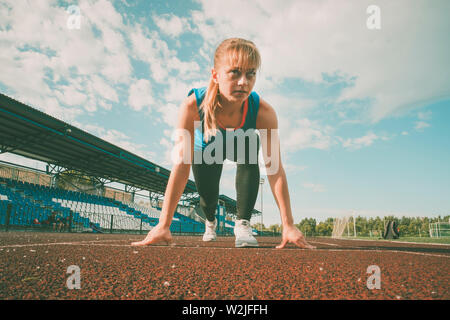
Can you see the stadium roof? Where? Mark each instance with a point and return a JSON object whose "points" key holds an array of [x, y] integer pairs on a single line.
{"points": [[33, 134]]}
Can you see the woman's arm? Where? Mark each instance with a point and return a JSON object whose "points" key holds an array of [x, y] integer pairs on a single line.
{"points": [[183, 154], [267, 124]]}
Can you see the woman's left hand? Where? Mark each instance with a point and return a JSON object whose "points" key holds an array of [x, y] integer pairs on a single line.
{"points": [[293, 235]]}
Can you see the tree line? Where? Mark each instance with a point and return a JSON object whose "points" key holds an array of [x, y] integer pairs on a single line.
{"points": [[370, 227]]}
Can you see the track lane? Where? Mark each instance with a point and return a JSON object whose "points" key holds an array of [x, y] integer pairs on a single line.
{"points": [[113, 269]]}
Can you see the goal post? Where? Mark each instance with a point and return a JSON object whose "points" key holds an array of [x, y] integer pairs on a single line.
{"points": [[340, 224]]}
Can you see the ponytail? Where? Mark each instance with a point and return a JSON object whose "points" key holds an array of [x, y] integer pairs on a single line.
{"points": [[209, 106]]}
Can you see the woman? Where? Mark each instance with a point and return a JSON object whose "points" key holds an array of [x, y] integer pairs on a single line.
{"points": [[227, 105]]}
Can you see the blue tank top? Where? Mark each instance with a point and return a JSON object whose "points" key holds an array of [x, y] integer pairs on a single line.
{"points": [[251, 107]]}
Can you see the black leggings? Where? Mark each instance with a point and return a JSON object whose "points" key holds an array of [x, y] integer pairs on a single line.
{"points": [[207, 178]]}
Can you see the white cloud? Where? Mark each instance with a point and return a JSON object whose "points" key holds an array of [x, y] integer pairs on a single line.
{"points": [[171, 24], [357, 143], [420, 125], [287, 105], [117, 68], [102, 12], [24, 72], [70, 95], [168, 144], [293, 167], [186, 70], [58, 70], [140, 95], [102, 89], [304, 133], [314, 187], [170, 114], [117, 138], [176, 91], [423, 118], [151, 49], [304, 39], [426, 115]]}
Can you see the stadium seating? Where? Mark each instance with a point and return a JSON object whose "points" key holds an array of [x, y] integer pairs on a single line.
{"points": [[87, 212], [27, 206]]}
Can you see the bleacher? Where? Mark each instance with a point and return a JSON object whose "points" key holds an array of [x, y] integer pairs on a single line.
{"points": [[33, 205], [29, 207]]}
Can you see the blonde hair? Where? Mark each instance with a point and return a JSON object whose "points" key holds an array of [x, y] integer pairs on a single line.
{"points": [[240, 52]]}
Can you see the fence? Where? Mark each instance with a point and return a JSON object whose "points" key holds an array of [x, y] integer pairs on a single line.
{"points": [[439, 229], [15, 216]]}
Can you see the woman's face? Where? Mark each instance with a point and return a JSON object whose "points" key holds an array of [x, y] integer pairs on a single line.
{"points": [[235, 83]]}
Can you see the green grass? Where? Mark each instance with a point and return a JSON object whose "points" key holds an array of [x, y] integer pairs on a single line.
{"points": [[444, 240]]}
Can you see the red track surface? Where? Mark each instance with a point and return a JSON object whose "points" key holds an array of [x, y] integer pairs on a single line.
{"points": [[34, 266]]}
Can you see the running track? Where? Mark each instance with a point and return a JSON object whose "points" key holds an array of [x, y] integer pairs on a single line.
{"points": [[34, 266]]}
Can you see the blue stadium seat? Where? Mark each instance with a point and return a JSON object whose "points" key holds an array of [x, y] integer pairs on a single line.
{"points": [[32, 202]]}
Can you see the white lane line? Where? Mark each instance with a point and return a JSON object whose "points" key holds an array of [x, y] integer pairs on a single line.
{"points": [[396, 241], [377, 250], [54, 243], [326, 243], [394, 251], [92, 243]]}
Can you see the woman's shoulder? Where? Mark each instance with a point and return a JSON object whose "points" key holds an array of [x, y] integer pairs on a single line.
{"points": [[267, 117], [198, 93], [189, 107]]}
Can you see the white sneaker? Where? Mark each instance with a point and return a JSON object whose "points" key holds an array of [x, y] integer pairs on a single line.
{"points": [[210, 230], [244, 235]]}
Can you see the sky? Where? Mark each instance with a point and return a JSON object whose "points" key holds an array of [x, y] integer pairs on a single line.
{"points": [[361, 88]]}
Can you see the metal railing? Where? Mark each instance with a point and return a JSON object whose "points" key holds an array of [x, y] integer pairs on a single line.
{"points": [[15, 216], [439, 229]]}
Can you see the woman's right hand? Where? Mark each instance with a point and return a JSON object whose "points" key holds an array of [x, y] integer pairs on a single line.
{"points": [[157, 235], [295, 236]]}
